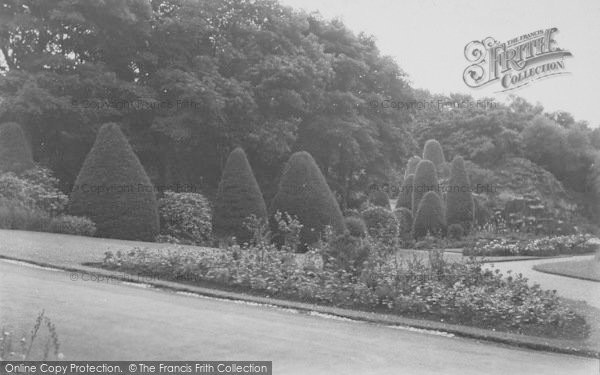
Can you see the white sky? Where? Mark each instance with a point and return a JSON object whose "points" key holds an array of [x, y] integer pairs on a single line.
{"points": [[427, 38]]}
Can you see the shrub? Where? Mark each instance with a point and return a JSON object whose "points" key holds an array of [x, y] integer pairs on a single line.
{"points": [[433, 151], [425, 180], [455, 231], [114, 191], [35, 188], [379, 198], [381, 224], [430, 216], [347, 252], [356, 226], [66, 224], [15, 152], [185, 218], [238, 198], [14, 215], [411, 166], [304, 193], [406, 192], [405, 222], [459, 200]]}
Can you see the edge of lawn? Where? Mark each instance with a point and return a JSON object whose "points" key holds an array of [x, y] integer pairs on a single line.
{"points": [[563, 346], [545, 268]]}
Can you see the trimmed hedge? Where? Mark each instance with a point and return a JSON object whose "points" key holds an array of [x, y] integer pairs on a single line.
{"points": [[238, 198], [114, 191], [411, 166], [425, 180], [304, 193], [379, 198], [15, 152], [433, 151], [430, 216], [459, 200], [406, 192]]}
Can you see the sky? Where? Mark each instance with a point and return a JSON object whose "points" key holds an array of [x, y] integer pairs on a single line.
{"points": [[427, 38]]}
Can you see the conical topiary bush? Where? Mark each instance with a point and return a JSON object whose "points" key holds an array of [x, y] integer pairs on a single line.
{"points": [[459, 200], [433, 151], [430, 216], [15, 152], [411, 166], [238, 198], [304, 193], [114, 191], [406, 191], [425, 180]]}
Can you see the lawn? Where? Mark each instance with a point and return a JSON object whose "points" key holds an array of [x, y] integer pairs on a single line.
{"points": [[579, 269]]}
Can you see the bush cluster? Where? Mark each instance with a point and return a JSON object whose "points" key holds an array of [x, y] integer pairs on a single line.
{"points": [[381, 224], [545, 246], [464, 293]]}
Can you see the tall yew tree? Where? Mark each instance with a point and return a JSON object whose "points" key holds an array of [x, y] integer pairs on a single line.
{"points": [[238, 198], [304, 193], [459, 200], [114, 191]]}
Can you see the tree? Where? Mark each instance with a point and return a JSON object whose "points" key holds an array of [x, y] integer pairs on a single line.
{"points": [[459, 200], [114, 190], [304, 193], [430, 216], [15, 153], [238, 198], [433, 151], [425, 180], [411, 165], [405, 222], [406, 192]]}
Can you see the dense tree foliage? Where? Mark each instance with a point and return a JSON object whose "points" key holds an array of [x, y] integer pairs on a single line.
{"points": [[406, 192], [114, 191], [190, 79], [15, 153], [238, 198], [379, 198]]}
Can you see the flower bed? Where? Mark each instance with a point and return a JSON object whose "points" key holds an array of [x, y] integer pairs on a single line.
{"points": [[461, 293], [545, 246]]}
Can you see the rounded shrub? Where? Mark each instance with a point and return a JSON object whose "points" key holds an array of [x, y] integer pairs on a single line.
{"points": [[425, 180], [406, 191], [379, 198], [304, 193], [67, 224], [456, 231], [185, 218], [356, 226], [430, 216], [433, 151], [411, 165], [114, 191], [459, 200], [15, 152], [405, 222], [381, 224], [238, 198], [347, 252]]}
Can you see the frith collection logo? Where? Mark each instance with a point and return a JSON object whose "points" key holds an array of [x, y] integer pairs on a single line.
{"points": [[516, 62]]}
